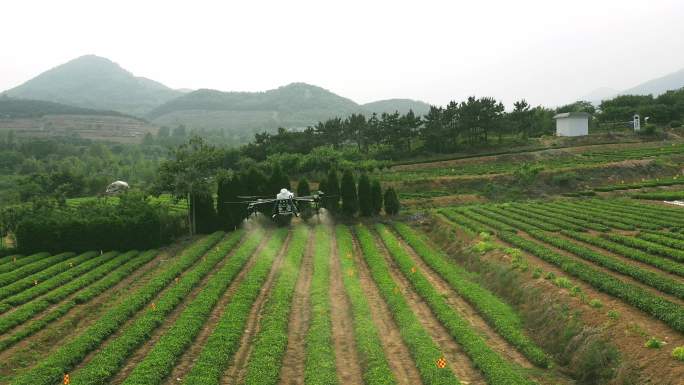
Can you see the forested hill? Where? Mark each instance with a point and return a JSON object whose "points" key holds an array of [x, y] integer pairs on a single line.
{"points": [[401, 105], [96, 83], [12, 108]]}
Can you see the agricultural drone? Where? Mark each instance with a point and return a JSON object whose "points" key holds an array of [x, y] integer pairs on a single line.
{"points": [[284, 206]]}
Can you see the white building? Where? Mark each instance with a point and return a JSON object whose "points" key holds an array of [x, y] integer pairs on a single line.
{"points": [[572, 124]]}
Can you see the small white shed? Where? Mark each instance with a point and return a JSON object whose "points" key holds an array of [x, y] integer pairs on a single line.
{"points": [[572, 124]]}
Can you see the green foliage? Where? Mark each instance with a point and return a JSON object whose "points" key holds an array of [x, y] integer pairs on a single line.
{"points": [[332, 190], [678, 353], [494, 311], [160, 360], [596, 303], [391, 200], [613, 314], [224, 341], [61, 360], [365, 196], [350, 199], [654, 343], [422, 347], [675, 124], [376, 369], [320, 365], [376, 197]]}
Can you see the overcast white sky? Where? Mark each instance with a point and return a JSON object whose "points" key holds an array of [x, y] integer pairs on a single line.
{"points": [[549, 52]]}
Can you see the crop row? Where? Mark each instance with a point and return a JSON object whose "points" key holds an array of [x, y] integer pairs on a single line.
{"points": [[224, 341], [557, 207], [270, 343], [109, 359], [12, 265], [625, 251], [647, 277], [159, 361], [424, 351], [603, 214], [320, 354], [27, 311], [52, 368], [10, 258], [660, 196], [675, 254], [599, 207], [663, 238], [503, 216], [638, 214], [462, 221], [546, 212], [649, 183], [544, 219], [509, 211], [82, 265], [82, 296], [37, 279], [660, 308], [494, 311], [495, 368], [665, 217], [476, 215], [376, 370], [44, 262]]}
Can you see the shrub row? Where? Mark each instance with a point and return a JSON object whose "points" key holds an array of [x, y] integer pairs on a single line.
{"points": [[584, 215], [494, 367], [376, 370], [636, 185], [270, 343], [593, 209], [11, 265], [557, 223], [159, 361], [82, 265], [654, 214], [63, 262], [660, 196], [637, 214], [43, 260], [660, 308], [476, 215], [677, 255], [424, 351], [25, 312], [635, 254], [10, 258], [224, 341], [464, 222], [647, 277], [662, 239], [82, 296], [510, 212], [52, 368], [495, 312], [109, 359], [320, 354], [547, 212], [503, 217]]}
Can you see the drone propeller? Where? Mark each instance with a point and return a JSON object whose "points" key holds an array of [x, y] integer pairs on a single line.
{"points": [[253, 196]]}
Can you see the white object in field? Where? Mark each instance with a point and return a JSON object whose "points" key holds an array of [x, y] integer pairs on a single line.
{"points": [[637, 122], [284, 194], [117, 187], [677, 203], [572, 124]]}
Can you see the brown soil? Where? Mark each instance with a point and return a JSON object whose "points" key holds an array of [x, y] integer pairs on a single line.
{"points": [[628, 333], [236, 371], [348, 367], [465, 310], [294, 359], [188, 358], [37, 346], [461, 365], [398, 356]]}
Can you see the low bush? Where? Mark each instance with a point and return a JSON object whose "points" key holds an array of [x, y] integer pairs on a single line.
{"points": [[654, 343], [678, 353]]}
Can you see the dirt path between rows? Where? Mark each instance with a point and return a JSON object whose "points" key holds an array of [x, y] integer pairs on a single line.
{"points": [[398, 356], [465, 310], [346, 358], [460, 364], [188, 358], [34, 348], [135, 316], [294, 359], [235, 373]]}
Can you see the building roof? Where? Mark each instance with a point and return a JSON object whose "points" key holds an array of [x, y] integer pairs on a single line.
{"points": [[565, 115]]}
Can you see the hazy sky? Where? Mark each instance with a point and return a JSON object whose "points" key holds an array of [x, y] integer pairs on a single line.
{"points": [[549, 52]]}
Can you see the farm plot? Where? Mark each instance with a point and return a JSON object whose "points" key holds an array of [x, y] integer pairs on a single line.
{"points": [[632, 260], [301, 305]]}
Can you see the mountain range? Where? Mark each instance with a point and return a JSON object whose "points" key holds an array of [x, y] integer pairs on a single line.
{"points": [[97, 83], [655, 87]]}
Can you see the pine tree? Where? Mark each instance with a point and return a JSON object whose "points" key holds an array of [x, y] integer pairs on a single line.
{"points": [[223, 209], [205, 213], [365, 196], [391, 202], [350, 199], [332, 185], [303, 188], [376, 197], [277, 181]]}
